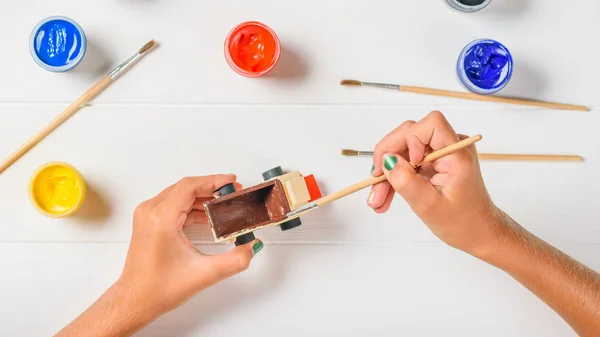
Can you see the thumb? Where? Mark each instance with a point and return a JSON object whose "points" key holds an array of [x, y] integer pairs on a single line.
{"points": [[419, 193], [235, 261]]}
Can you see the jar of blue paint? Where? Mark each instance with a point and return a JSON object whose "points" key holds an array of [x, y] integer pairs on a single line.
{"points": [[469, 6], [58, 44], [485, 66]]}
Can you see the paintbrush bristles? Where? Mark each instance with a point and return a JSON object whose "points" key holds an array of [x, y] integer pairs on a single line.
{"points": [[147, 47], [351, 83], [347, 152]]}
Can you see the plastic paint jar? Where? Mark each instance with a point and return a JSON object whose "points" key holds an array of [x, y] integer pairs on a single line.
{"points": [[485, 66], [252, 49], [57, 44], [469, 6], [57, 189]]}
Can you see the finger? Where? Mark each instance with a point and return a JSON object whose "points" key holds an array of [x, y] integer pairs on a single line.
{"points": [[199, 202], [380, 192], [195, 217], [161, 196], [472, 147], [235, 261], [394, 142], [433, 131], [378, 195], [416, 148], [183, 195], [388, 202], [420, 194]]}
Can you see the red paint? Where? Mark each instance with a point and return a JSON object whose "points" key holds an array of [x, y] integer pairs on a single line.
{"points": [[252, 49], [313, 188]]}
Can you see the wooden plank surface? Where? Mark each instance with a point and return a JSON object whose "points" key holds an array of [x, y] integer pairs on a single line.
{"points": [[293, 290], [346, 271], [129, 154], [411, 43]]}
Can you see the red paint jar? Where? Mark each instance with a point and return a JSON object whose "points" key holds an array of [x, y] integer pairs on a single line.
{"points": [[252, 49]]}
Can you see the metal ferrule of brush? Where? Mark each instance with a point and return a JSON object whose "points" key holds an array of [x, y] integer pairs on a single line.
{"points": [[303, 209], [123, 66], [382, 85]]}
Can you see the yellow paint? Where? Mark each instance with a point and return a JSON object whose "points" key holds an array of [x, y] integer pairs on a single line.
{"points": [[57, 189]]}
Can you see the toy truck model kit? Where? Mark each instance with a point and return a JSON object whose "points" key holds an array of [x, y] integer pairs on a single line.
{"points": [[237, 214]]}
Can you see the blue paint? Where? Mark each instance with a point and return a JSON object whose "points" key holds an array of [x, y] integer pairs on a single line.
{"points": [[58, 44], [485, 66]]}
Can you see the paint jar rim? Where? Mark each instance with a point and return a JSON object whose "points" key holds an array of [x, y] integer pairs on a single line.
{"points": [[466, 8], [462, 74], [66, 67], [77, 175], [237, 68]]}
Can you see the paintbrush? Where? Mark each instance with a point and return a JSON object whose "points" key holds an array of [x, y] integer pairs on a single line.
{"points": [[493, 156], [466, 95], [349, 152], [88, 96], [376, 180]]}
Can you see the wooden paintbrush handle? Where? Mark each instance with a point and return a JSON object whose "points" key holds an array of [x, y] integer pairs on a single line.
{"points": [[449, 149], [529, 157], [376, 180], [513, 157], [350, 189], [58, 120], [497, 99]]}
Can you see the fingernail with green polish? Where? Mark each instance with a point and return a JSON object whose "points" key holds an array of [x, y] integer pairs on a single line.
{"points": [[390, 162], [257, 247], [373, 167]]}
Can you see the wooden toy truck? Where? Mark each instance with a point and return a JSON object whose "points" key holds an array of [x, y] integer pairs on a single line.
{"points": [[235, 215]]}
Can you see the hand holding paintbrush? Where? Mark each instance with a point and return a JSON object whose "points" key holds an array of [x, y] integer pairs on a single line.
{"points": [[376, 180]]}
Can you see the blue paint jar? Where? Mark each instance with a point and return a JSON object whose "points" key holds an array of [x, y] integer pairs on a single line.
{"points": [[468, 6], [57, 44], [485, 66]]}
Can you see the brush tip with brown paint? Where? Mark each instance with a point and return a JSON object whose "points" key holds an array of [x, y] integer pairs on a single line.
{"points": [[347, 152], [350, 83], [147, 47]]}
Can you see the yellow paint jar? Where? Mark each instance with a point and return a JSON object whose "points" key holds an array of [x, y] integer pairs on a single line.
{"points": [[57, 189]]}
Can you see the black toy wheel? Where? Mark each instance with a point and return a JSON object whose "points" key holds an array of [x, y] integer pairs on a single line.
{"points": [[276, 172], [244, 239], [272, 173], [227, 189], [286, 226]]}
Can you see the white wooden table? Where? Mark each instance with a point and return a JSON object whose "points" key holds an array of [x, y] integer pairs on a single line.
{"points": [[183, 111]]}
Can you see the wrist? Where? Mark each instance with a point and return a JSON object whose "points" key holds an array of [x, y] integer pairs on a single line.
{"points": [[120, 311], [139, 306], [504, 247], [498, 238]]}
